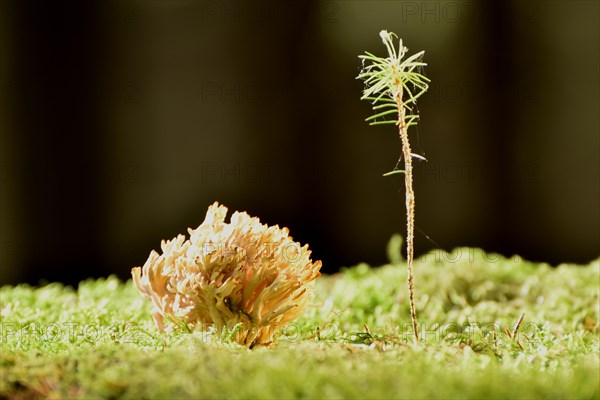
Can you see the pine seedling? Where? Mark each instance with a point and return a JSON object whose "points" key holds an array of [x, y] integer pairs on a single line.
{"points": [[393, 84]]}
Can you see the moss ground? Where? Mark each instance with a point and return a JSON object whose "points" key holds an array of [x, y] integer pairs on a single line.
{"points": [[98, 341]]}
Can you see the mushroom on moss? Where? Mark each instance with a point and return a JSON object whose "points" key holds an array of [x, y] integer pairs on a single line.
{"points": [[242, 274]]}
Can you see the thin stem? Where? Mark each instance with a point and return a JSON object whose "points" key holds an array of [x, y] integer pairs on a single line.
{"points": [[410, 208]]}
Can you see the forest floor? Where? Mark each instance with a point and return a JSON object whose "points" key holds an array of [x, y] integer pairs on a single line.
{"points": [[99, 340]]}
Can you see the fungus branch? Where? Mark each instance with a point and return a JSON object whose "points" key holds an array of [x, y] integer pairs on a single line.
{"points": [[393, 85]]}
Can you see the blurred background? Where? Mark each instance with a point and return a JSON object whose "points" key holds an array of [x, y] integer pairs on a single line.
{"points": [[122, 121]]}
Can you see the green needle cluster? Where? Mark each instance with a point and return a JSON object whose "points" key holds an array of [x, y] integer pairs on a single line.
{"points": [[392, 81]]}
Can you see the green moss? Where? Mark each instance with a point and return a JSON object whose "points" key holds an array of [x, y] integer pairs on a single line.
{"points": [[100, 341]]}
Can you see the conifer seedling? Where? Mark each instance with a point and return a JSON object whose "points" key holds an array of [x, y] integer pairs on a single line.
{"points": [[392, 85]]}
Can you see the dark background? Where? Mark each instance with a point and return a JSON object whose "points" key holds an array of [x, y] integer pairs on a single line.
{"points": [[122, 121]]}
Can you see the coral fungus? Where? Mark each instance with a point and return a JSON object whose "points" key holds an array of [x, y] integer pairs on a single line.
{"points": [[241, 275]]}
